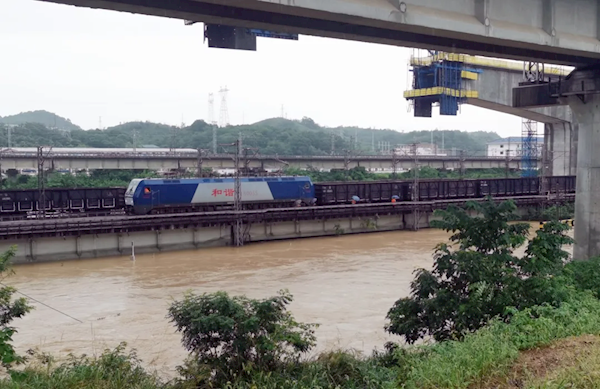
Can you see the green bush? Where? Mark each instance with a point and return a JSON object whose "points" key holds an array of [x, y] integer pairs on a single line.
{"points": [[479, 277], [229, 337], [585, 275]]}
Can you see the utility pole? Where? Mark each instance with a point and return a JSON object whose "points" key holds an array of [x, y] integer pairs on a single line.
{"points": [[373, 141], [41, 158], [507, 163], [332, 143], [395, 162], [9, 129], [211, 121], [237, 199], [247, 158], [415, 191], [134, 136], [443, 142], [415, 188], [199, 162], [462, 164], [238, 227], [346, 164]]}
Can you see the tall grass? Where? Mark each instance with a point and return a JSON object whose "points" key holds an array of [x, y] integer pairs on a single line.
{"points": [[114, 369], [494, 348]]}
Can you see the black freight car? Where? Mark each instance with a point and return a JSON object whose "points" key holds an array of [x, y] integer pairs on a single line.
{"points": [[328, 193], [61, 200]]}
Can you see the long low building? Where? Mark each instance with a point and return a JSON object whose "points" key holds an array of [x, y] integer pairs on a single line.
{"points": [[164, 159]]}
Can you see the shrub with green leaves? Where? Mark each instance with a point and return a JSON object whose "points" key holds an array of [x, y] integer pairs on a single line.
{"points": [[478, 277], [232, 336], [10, 309]]}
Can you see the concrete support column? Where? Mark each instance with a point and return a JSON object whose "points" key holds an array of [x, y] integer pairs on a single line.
{"points": [[587, 201], [561, 141]]}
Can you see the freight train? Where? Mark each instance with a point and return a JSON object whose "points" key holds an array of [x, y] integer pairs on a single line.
{"points": [[209, 194]]}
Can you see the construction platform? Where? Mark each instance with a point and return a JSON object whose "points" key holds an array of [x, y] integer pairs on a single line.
{"points": [[95, 237], [449, 80]]}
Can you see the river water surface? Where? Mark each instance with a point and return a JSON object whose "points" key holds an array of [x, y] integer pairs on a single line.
{"points": [[346, 284]]}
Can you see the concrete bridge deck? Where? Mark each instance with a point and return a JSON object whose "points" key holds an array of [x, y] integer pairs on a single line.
{"points": [[76, 160], [557, 31]]}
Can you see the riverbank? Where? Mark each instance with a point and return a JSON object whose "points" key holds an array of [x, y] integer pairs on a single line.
{"points": [[528, 352]]}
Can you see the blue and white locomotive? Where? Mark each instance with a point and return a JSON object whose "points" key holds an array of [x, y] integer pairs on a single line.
{"points": [[145, 196]]}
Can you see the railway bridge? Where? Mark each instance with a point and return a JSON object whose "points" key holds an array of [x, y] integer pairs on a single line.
{"points": [[150, 159]]}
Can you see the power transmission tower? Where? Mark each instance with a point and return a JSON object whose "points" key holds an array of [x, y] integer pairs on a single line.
{"points": [[41, 159], [224, 114]]}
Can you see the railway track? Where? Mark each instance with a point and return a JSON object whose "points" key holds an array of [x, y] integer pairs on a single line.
{"points": [[115, 224]]}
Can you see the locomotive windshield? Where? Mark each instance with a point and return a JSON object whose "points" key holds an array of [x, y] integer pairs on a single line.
{"points": [[132, 187]]}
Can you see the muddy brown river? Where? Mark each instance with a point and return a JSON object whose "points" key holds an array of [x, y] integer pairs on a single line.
{"points": [[346, 284]]}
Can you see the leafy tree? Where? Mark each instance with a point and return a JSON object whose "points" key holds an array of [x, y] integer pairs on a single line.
{"points": [[10, 309], [479, 277], [229, 336]]}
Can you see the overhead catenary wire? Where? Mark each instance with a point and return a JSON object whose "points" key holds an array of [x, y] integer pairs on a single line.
{"points": [[44, 304]]}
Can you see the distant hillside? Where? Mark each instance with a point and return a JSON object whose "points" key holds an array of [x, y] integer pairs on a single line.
{"points": [[46, 118], [271, 136]]}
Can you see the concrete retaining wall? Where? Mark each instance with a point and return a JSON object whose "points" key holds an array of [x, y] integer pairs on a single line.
{"points": [[105, 245]]}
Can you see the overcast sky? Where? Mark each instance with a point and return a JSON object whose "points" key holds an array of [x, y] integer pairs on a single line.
{"points": [[84, 64]]}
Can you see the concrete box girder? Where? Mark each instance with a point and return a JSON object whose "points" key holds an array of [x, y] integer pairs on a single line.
{"points": [[555, 31]]}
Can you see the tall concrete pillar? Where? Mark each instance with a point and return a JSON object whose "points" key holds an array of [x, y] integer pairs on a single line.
{"points": [[587, 201], [561, 144]]}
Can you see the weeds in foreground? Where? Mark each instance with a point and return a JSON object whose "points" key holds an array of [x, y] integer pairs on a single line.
{"points": [[114, 369]]}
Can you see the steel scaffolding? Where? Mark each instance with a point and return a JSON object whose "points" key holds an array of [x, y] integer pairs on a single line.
{"points": [[529, 148]]}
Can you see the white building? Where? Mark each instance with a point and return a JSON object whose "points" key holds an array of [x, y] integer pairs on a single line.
{"points": [[422, 149], [511, 147]]}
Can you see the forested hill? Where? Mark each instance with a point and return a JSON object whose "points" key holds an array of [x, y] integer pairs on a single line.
{"points": [[272, 136], [46, 118]]}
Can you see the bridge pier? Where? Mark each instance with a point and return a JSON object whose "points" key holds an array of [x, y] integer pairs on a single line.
{"points": [[586, 110], [560, 141]]}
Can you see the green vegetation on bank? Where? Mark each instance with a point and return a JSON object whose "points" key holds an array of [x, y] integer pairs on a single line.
{"points": [[121, 178], [96, 179], [272, 136], [481, 302]]}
